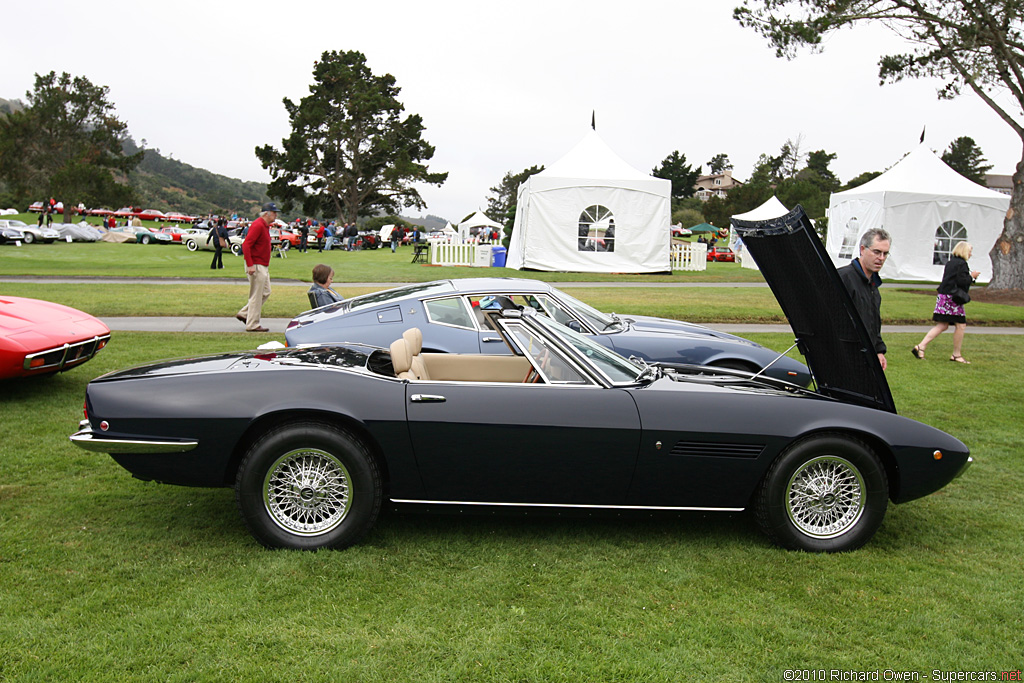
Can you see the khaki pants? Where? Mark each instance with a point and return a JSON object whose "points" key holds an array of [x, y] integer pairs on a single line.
{"points": [[259, 292]]}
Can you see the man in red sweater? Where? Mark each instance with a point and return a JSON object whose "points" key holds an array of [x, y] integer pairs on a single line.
{"points": [[256, 250]]}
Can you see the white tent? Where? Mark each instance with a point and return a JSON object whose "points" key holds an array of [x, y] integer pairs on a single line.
{"points": [[592, 212], [479, 220], [927, 207], [772, 208]]}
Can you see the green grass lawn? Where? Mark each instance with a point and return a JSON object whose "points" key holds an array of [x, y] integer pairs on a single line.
{"points": [[90, 259], [108, 578]]}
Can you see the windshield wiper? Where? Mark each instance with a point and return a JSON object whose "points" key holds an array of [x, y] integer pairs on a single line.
{"points": [[652, 371], [614, 321]]}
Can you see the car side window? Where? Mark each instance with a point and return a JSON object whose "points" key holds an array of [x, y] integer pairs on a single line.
{"points": [[449, 311]]}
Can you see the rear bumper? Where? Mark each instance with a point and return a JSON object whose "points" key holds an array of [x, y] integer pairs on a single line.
{"points": [[89, 440]]}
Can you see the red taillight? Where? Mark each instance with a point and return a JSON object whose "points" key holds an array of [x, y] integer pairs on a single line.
{"points": [[85, 411]]}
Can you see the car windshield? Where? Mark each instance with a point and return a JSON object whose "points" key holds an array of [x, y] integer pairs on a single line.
{"points": [[595, 318], [428, 289], [614, 366]]}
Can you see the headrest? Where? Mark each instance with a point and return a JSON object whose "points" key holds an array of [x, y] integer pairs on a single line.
{"points": [[414, 338], [401, 359]]}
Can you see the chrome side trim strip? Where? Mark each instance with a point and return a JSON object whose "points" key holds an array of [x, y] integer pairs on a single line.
{"points": [[88, 441], [568, 505]]}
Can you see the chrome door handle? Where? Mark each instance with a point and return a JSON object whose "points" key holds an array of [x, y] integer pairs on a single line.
{"points": [[491, 339], [427, 398]]}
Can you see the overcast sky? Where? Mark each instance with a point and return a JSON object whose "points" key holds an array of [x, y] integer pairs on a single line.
{"points": [[500, 86]]}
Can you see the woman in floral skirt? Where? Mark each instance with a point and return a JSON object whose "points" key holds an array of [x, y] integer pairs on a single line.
{"points": [[956, 278]]}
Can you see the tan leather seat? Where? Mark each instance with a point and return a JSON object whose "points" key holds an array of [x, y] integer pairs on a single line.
{"points": [[401, 359], [414, 342]]}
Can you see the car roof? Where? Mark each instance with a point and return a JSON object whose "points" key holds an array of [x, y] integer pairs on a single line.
{"points": [[483, 285]]}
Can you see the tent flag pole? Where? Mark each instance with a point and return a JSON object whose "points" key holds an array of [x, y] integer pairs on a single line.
{"points": [[922, 133], [593, 119]]}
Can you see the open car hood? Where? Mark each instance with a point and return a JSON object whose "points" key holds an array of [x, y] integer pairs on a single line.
{"points": [[828, 330]]}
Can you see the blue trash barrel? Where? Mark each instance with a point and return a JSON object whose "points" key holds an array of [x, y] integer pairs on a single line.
{"points": [[498, 256]]}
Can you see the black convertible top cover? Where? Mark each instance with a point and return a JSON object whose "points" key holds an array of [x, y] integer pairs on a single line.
{"points": [[828, 330]]}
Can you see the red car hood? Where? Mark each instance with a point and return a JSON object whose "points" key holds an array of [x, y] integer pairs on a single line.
{"points": [[34, 324]]}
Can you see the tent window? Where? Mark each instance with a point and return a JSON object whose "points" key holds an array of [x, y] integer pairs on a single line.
{"points": [[849, 238], [946, 237], [596, 229]]}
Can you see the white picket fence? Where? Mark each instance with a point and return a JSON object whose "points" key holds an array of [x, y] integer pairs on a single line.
{"points": [[689, 256], [453, 252], [445, 252]]}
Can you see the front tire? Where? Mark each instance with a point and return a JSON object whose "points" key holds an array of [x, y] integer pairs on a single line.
{"points": [[826, 493], [191, 245], [145, 239], [308, 485], [28, 238]]}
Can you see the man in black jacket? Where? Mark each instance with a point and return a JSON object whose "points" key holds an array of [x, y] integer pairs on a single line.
{"points": [[862, 282]]}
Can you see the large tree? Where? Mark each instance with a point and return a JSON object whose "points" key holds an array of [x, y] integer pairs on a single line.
{"points": [[67, 144], [965, 157], [351, 152], [719, 164], [683, 176], [972, 44], [501, 205]]}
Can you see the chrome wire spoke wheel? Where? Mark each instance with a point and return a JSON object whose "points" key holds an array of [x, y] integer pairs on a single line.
{"points": [[307, 492], [825, 497]]}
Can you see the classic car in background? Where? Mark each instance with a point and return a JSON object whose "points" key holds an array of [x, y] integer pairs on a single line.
{"points": [[201, 241], [78, 232], [10, 234], [451, 315], [721, 254], [42, 338], [151, 215], [178, 217], [31, 233], [286, 238], [176, 232], [147, 236]]}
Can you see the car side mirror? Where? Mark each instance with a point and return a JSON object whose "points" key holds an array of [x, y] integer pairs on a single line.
{"points": [[574, 326]]}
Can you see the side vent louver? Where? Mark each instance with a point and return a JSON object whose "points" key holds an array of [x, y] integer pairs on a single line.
{"points": [[721, 450]]}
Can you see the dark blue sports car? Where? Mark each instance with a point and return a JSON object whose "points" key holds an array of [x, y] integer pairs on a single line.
{"points": [[451, 316]]}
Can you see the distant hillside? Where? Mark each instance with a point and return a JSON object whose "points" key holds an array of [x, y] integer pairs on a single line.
{"points": [[8, 106], [171, 185]]}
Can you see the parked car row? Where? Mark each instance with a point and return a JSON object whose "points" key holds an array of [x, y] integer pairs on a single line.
{"points": [[123, 212]]}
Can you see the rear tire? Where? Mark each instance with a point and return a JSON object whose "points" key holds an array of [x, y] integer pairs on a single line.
{"points": [[826, 493], [236, 249], [308, 485]]}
